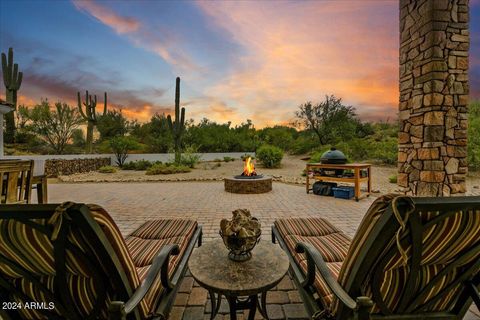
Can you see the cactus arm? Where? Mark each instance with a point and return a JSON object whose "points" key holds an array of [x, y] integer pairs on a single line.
{"points": [[80, 106], [170, 124], [6, 77], [19, 80], [105, 105], [182, 119], [14, 76]]}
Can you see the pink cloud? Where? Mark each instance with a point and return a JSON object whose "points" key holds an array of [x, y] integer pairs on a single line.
{"points": [[301, 51], [108, 17], [164, 43]]}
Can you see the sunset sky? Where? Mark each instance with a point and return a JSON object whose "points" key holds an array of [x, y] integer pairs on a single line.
{"points": [[237, 60]]}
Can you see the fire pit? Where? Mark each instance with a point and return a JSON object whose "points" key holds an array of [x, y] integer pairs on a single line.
{"points": [[249, 181]]}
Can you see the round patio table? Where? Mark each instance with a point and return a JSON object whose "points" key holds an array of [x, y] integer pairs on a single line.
{"points": [[213, 270]]}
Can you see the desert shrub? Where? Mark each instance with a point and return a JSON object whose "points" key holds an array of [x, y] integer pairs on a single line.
{"points": [[161, 168], [189, 157], [228, 159], [107, 169], [245, 156], [270, 156], [392, 179], [139, 165], [474, 135], [129, 166], [121, 146]]}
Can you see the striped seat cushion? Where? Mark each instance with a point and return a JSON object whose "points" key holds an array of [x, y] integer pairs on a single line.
{"points": [[332, 243], [145, 243], [32, 250]]}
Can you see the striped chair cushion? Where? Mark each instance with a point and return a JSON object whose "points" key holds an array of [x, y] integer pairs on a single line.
{"points": [[442, 244], [328, 240], [33, 251], [145, 243]]}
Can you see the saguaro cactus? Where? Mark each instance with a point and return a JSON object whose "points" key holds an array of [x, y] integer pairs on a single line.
{"points": [[178, 126], [12, 80], [90, 115]]}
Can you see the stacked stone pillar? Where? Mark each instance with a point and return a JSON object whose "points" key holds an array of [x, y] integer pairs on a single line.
{"points": [[434, 43]]}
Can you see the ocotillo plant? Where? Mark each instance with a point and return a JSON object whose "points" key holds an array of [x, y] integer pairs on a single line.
{"points": [[12, 80], [90, 115], [178, 126]]}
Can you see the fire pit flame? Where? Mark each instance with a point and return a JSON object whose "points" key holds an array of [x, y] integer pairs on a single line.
{"points": [[248, 168]]}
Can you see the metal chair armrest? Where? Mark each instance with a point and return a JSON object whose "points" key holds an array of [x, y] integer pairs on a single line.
{"points": [[361, 305], [119, 309]]}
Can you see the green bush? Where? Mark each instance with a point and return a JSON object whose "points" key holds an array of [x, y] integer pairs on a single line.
{"points": [[392, 179], [245, 156], [139, 165], [473, 132], [161, 168], [107, 169], [228, 159], [270, 156]]}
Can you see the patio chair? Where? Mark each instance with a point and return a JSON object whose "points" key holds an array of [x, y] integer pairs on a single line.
{"points": [[411, 258], [72, 260], [16, 181]]}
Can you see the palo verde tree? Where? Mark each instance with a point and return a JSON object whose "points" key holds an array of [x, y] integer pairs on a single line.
{"points": [[177, 127], [55, 125], [112, 124], [90, 115], [330, 120], [12, 79]]}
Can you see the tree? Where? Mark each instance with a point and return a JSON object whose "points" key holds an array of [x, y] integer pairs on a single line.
{"points": [[121, 146], [330, 120], [474, 134], [112, 124], [54, 126]]}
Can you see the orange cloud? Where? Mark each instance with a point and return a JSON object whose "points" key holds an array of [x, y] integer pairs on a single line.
{"points": [[106, 16], [142, 114], [300, 51]]}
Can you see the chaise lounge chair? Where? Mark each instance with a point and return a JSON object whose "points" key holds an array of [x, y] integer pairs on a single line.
{"points": [[411, 258], [71, 262]]}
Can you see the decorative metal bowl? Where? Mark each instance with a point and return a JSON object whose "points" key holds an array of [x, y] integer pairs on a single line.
{"points": [[240, 248]]}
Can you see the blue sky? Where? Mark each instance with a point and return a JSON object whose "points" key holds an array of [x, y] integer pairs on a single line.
{"points": [[237, 60]]}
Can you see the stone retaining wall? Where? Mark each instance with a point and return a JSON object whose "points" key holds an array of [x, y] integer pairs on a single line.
{"points": [[434, 43], [56, 167]]}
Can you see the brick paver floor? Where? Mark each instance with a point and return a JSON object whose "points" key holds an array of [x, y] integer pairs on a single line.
{"points": [[130, 204]]}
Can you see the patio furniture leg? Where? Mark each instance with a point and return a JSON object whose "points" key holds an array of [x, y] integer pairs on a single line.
{"points": [[215, 302], [42, 192], [263, 305], [232, 302], [253, 307]]}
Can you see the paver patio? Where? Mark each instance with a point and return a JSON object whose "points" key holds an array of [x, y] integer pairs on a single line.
{"points": [[130, 204]]}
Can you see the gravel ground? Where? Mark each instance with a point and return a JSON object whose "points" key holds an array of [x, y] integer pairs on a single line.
{"points": [[289, 172]]}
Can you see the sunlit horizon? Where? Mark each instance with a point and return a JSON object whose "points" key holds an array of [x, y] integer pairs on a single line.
{"points": [[237, 60]]}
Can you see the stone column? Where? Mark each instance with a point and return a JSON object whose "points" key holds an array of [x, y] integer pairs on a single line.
{"points": [[432, 139]]}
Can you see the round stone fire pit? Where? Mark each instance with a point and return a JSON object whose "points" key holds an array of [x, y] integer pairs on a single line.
{"points": [[252, 185]]}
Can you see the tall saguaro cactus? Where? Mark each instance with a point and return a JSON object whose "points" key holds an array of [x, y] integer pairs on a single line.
{"points": [[12, 80], [178, 126], [90, 115]]}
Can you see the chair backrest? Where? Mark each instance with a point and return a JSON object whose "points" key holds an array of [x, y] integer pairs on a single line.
{"points": [[16, 181], [415, 256], [72, 257]]}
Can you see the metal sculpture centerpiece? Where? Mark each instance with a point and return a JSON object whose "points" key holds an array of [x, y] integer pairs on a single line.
{"points": [[240, 235]]}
